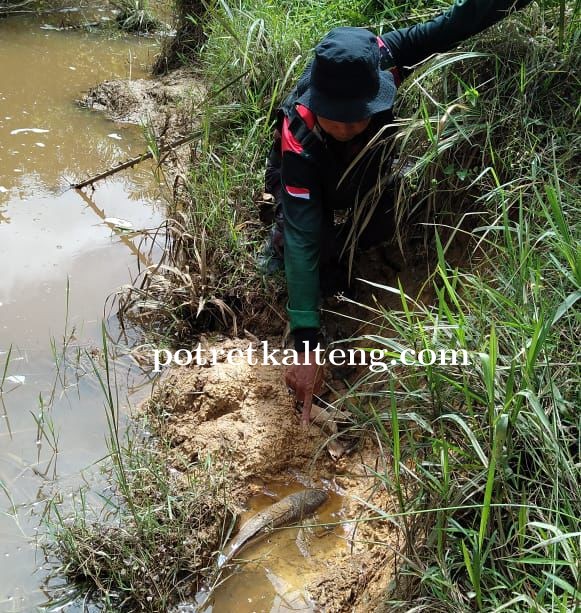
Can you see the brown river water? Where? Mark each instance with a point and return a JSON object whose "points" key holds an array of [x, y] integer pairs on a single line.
{"points": [[51, 236]]}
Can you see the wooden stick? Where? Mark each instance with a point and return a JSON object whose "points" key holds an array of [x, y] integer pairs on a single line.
{"points": [[145, 260], [133, 161]]}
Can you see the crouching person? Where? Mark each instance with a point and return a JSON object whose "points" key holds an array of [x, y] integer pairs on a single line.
{"points": [[320, 161]]}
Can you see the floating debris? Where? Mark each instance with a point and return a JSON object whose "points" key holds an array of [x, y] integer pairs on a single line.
{"points": [[18, 379], [33, 130], [121, 224]]}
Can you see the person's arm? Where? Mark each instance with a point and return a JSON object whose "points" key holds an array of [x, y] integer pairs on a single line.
{"points": [[302, 209], [464, 19]]}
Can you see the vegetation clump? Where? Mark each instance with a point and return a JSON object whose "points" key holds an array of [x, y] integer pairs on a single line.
{"points": [[135, 16], [153, 538], [252, 53], [156, 540]]}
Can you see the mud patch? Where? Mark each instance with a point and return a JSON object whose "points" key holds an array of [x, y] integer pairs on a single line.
{"points": [[356, 578], [242, 417], [165, 103]]}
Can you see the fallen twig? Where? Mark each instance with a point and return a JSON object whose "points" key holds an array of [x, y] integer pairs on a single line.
{"points": [[133, 161]]}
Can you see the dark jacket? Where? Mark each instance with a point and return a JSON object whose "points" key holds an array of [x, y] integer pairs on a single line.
{"points": [[305, 165]]}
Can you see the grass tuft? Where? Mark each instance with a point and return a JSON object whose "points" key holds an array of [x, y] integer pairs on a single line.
{"points": [[154, 537]]}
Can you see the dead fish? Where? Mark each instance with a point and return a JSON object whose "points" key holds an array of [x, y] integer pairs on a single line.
{"points": [[285, 512]]}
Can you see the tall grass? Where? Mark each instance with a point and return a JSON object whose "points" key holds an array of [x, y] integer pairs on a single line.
{"points": [[487, 456], [253, 53], [5, 368]]}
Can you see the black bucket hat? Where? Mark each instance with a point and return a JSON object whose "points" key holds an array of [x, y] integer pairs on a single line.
{"points": [[345, 82]]}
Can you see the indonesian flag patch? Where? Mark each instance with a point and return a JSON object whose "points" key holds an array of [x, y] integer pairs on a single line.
{"points": [[298, 192]]}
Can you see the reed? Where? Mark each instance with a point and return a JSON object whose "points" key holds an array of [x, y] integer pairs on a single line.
{"points": [[152, 536]]}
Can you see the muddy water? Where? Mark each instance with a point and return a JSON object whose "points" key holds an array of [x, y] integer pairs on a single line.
{"points": [[277, 569], [51, 237]]}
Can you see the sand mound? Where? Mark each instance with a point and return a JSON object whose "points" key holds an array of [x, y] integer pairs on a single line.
{"points": [[243, 417], [240, 414]]}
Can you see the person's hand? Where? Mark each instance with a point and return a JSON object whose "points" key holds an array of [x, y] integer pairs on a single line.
{"points": [[305, 379]]}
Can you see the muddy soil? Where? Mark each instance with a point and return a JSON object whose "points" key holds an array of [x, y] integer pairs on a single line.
{"points": [[243, 416], [166, 106], [167, 101]]}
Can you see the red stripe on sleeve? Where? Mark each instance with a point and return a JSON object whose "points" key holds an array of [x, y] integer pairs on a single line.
{"points": [[307, 116], [288, 141]]}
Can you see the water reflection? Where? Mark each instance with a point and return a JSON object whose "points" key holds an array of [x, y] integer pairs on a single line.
{"points": [[59, 260], [41, 74]]}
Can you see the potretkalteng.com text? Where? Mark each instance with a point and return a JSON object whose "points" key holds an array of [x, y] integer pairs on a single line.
{"points": [[376, 359]]}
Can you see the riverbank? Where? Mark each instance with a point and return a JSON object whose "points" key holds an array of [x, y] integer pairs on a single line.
{"points": [[448, 454], [242, 417]]}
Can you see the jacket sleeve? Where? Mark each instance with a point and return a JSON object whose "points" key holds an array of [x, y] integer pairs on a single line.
{"points": [[464, 19], [302, 209]]}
